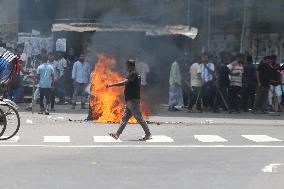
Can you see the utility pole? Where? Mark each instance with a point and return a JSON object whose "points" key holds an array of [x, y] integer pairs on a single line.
{"points": [[188, 12], [206, 34], [246, 36]]}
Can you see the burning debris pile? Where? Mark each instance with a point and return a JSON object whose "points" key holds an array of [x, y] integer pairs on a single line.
{"points": [[106, 104]]}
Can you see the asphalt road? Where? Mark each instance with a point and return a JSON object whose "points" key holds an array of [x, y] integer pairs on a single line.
{"points": [[55, 152]]}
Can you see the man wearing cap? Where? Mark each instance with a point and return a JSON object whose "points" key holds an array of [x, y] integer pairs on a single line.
{"points": [[132, 85]]}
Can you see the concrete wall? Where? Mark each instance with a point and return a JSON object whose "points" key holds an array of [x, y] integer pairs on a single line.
{"points": [[9, 15], [151, 12]]}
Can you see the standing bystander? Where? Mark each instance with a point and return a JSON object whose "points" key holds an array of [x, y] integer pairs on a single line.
{"points": [[236, 82], [61, 67], [175, 90], [196, 85], [263, 76], [81, 78], [249, 84], [45, 74], [208, 76]]}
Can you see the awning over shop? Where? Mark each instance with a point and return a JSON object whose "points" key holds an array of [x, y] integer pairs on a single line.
{"points": [[151, 30]]}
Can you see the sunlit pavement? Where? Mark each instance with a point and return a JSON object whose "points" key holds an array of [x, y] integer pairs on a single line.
{"points": [[187, 151]]}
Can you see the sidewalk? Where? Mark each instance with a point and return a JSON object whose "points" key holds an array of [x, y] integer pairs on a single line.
{"points": [[208, 118], [162, 116]]}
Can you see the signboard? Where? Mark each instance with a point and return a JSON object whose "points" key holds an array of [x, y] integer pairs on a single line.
{"points": [[60, 45], [33, 45]]}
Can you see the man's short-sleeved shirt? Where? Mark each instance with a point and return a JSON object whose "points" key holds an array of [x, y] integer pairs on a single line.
{"points": [[46, 73], [132, 87], [237, 71], [61, 66], [143, 69], [206, 73], [265, 74], [195, 73], [224, 76]]}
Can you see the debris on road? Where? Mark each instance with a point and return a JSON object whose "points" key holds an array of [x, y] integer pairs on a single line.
{"points": [[29, 121], [208, 121]]}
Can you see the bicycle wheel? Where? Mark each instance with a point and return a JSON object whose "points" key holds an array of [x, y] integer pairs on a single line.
{"points": [[13, 122], [3, 122]]}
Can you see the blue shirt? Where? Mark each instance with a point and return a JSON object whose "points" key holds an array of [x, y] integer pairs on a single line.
{"points": [[81, 72], [46, 74], [205, 73]]}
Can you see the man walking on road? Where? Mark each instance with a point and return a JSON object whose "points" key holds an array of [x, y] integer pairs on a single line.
{"points": [[81, 78], [132, 98]]}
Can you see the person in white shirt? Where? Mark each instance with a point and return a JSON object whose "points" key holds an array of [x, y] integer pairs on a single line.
{"points": [[61, 67], [196, 85], [53, 63], [81, 77], [143, 69], [175, 90]]}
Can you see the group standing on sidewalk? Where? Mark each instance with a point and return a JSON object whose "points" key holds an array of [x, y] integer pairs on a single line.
{"points": [[235, 84]]}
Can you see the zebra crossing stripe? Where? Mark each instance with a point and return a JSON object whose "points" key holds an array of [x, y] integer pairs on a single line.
{"points": [[160, 138], [58, 139], [13, 139], [261, 138], [210, 138], [107, 139]]}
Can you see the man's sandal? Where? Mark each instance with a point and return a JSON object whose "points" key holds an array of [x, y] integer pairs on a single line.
{"points": [[146, 138], [113, 136]]}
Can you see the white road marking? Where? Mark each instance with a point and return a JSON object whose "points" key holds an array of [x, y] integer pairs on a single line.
{"points": [[271, 168], [13, 139], [261, 138], [105, 139], [143, 146], [160, 138], [56, 139], [210, 138]]}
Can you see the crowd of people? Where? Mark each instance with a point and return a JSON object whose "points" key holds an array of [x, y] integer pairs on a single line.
{"points": [[56, 75], [232, 84]]}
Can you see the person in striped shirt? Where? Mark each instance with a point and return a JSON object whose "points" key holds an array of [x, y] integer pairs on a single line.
{"points": [[236, 82]]}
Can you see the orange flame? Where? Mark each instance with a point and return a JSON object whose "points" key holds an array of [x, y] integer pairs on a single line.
{"points": [[107, 104]]}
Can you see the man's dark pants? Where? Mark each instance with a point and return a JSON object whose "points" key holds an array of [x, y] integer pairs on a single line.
{"points": [[44, 92], [248, 96], [195, 93], [261, 98], [235, 100], [208, 94], [218, 99], [132, 108], [79, 90]]}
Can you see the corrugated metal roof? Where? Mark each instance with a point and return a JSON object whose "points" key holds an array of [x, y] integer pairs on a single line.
{"points": [[187, 31]]}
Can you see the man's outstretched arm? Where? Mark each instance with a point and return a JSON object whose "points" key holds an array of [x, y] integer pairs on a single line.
{"points": [[121, 83]]}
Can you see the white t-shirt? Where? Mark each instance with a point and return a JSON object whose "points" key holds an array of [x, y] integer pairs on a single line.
{"points": [[61, 65], [195, 72], [143, 69], [24, 61]]}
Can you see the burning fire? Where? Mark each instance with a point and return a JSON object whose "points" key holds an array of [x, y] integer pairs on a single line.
{"points": [[107, 104]]}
